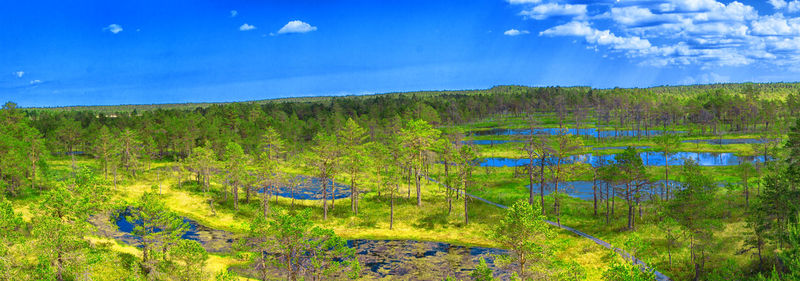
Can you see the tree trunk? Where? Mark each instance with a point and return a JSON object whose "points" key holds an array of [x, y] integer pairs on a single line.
{"points": [[669, 254], [541, 182], [105, 167], [236, 195], [419, 195], [530, 180], [408, 197], [607, 202], [324, 198], [466, 212], [594, 192], [293, 190], [247, 193], [760, 257], [352, 199], [265, 202], [746, 195], [630, 205], [449, 203], [556, 206], [33, 175]]}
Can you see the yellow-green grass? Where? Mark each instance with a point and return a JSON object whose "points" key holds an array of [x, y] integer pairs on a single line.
{"points": [[430, 222], [214, 263], [501, 187]]}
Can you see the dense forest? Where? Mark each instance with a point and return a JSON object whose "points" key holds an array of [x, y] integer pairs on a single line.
{"points": [[413, 169]]}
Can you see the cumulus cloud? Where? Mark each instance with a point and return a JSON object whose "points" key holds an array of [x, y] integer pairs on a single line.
{"points": [[234, 13], [794, 6], [708, 33], [776, 25], [544, 11], [19, 73], [246, 27], [599, 37], [777, 4], [113, 28], [296, 26], [689, 5], [514, 32], [34, 82]]}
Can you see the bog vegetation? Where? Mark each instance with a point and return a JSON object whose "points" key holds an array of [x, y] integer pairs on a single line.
{"points": [[311, 188]]}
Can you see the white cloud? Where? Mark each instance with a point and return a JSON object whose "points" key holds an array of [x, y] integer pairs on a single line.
{"points": [[707, 33], [34, 82], [19, 73], [234, 13], [594, 36], [639, 16], [776, 25], [777, 4], [689, 5], [296, 26], [794, 6], [523, 1], [544, 11], [246, 27], [113, 28], [514, 32]]}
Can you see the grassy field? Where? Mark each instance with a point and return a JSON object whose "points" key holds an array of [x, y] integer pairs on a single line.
{"points": [[500, 185], [430, 222]]}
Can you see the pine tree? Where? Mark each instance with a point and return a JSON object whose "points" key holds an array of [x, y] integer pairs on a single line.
{"points": [[354, 157], [325, 158], [524, 232], [418, 136]]}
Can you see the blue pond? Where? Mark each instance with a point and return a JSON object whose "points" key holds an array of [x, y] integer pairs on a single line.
{"points": [[591, 132], [583, 189], [125, 225], [649, 158], [310, 188], [727, 141], [619, 147], [378, 257], [490, 142]]}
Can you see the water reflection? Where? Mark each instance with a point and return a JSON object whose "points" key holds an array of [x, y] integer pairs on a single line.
{"points": [[729, 141], [379, 258], [650, 158], [591, 132], [310, 188], [490, 142], [585, 189]]}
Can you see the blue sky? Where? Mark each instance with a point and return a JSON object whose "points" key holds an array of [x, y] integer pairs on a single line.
{"points": [[55, 53]]}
